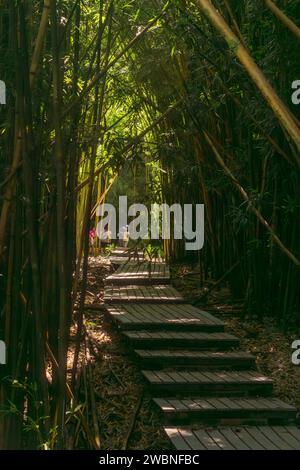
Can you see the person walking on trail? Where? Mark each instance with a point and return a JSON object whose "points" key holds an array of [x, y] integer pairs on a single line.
{"points": [[106, 237], [124, 236], [92, 236]]}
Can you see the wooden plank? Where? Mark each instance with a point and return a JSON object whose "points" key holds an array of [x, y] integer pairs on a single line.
{"points": [[200, 378], [198, 384], [198, 336], [172, 405], [231, 403], [232, 438], [197, 402], [192, 377], [206, 440], [174, 377], [126, 252], [141, 294], [154, 377], [220, 439], [248, 403], [267, 437], [191, 439], [248, 439], [160, 359], [215, 377], [177, 440], [217, 404], [286, 436], [140, 273], [258, 436], [192, 311], [294, 431], [219, 409], [164, 376], [175, 339]]}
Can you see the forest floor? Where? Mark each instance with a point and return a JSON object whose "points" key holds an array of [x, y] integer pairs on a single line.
{"points": [[127, 419]]}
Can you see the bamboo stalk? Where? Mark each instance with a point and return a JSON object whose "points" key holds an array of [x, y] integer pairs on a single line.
{"points": [[281, 111], [84, 241], [283, 18], [28, 157], [37, 53], [101, 74], [246, 198], [60, 223], [17, 146], [137, 140]]}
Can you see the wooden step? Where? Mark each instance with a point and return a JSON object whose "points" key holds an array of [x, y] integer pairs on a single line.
{"points": [[235, 438], [162, 359], [163, 317], [174, 339], [127, 253], [144, 273], [117, 260], [221, 410], [142, 294], [195, 383]]}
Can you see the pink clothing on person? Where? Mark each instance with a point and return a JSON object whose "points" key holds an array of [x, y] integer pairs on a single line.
{"points": [[92, 233]]}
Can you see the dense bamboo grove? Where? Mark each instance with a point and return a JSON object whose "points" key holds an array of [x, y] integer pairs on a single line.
{"points": [[198, 90]]}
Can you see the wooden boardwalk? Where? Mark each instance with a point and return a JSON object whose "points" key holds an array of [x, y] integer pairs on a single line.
{"points": [[192, 340], [142, 294], [190, 411], [208, 392], [237, 438], [121, 255], [150, 316], [140, 273], [168, 358]]}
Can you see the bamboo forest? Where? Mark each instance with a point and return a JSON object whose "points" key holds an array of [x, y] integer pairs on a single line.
{"points": [[149, 225]]}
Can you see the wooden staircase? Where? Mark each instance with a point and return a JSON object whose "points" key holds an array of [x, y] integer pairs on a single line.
{"points": [[207, 391]]}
